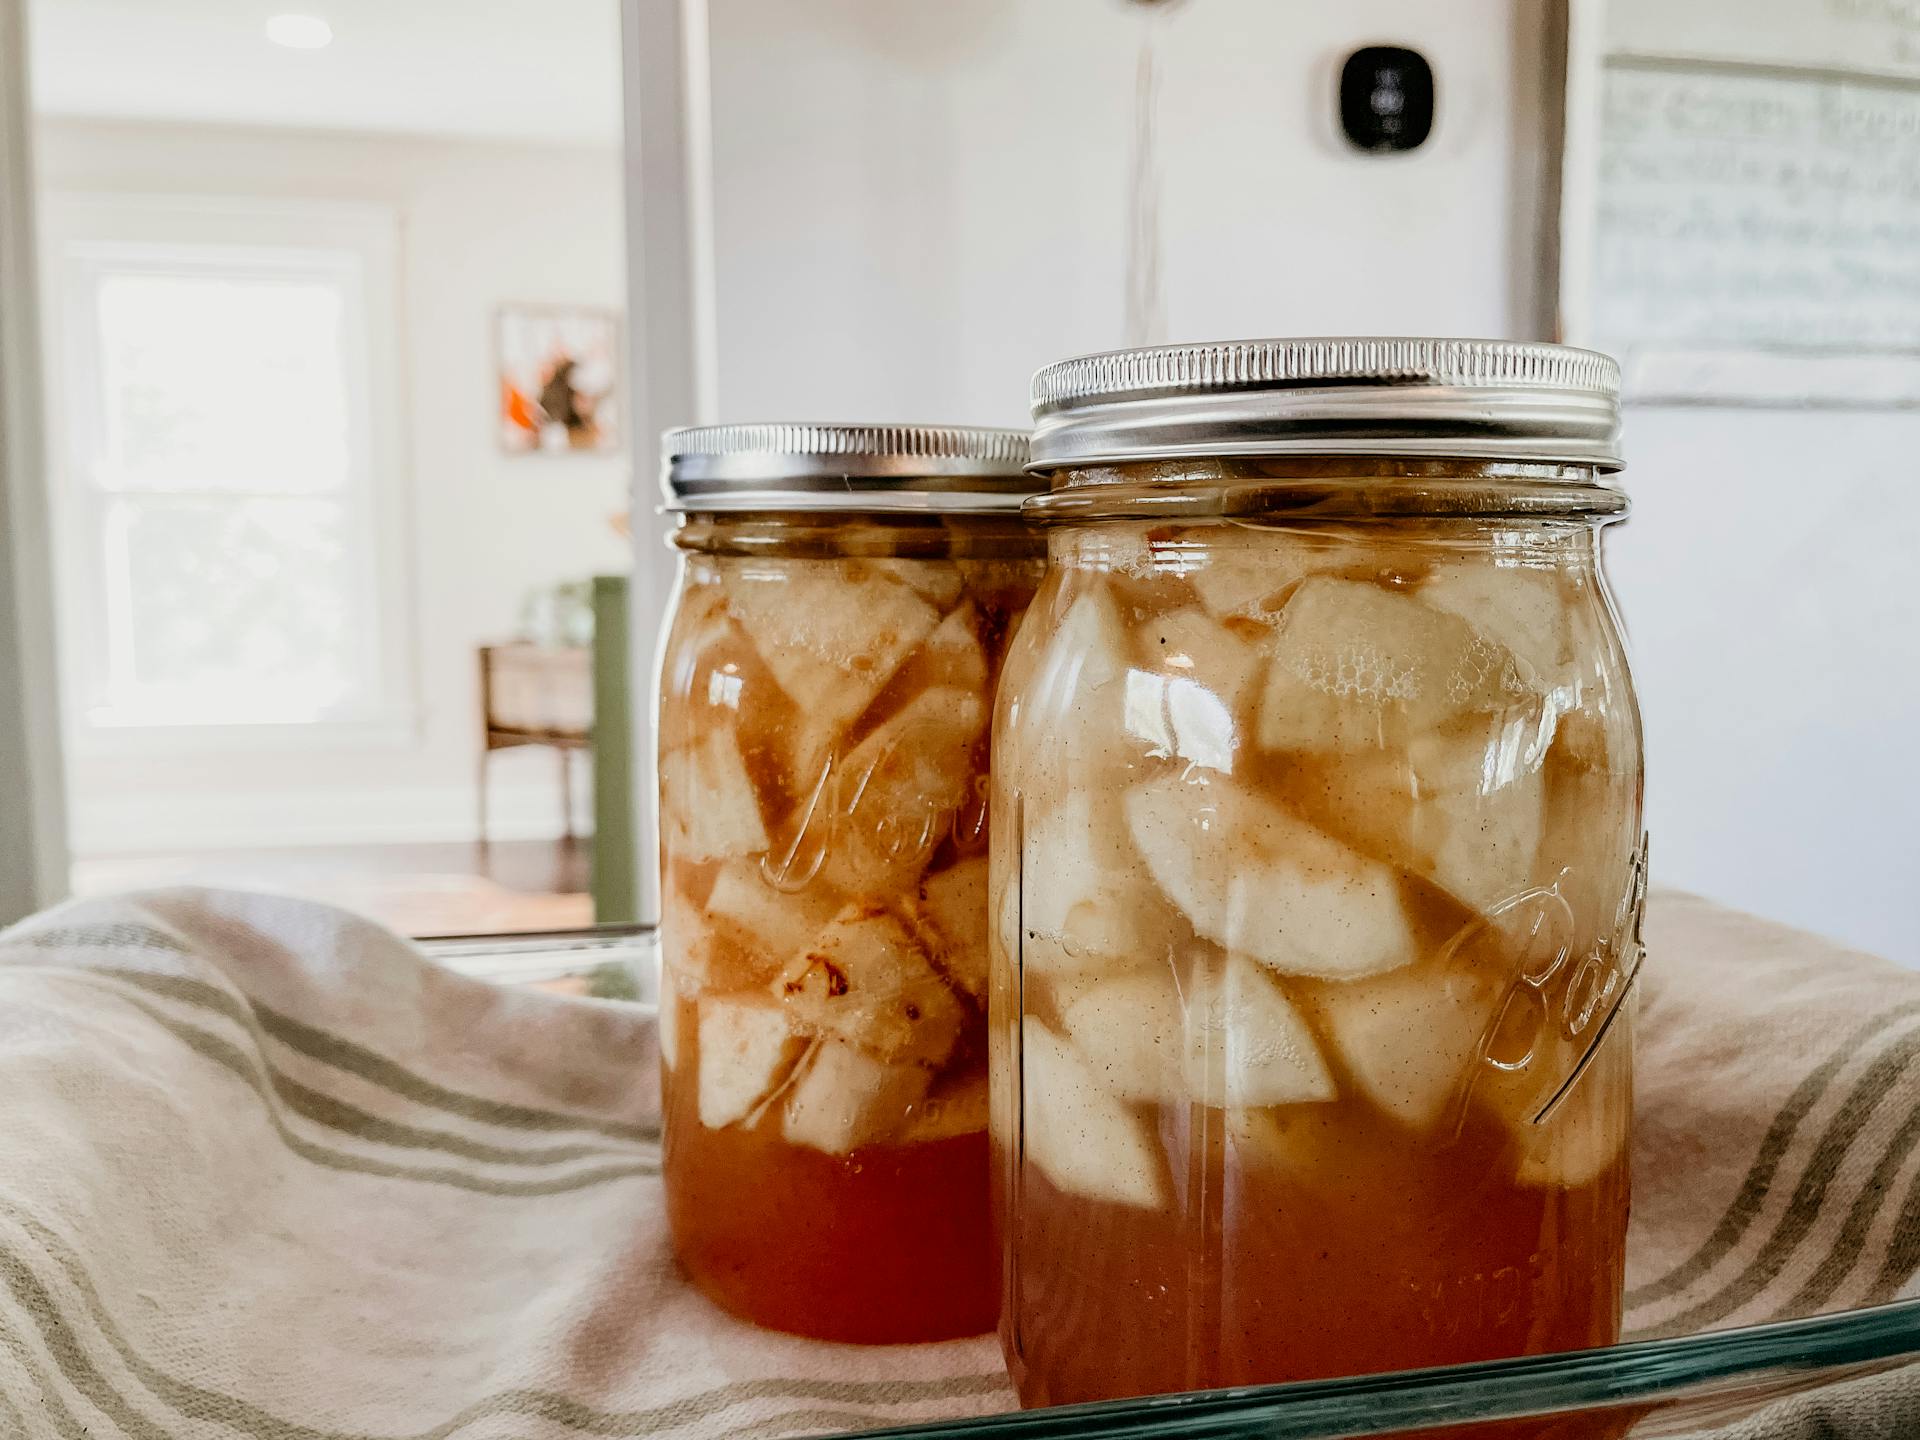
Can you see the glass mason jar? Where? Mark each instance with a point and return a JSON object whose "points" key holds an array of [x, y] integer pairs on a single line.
{"points": [[846, 597], [1316, 869]]}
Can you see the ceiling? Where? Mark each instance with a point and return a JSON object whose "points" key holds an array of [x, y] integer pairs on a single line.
{"points": [[535, 70]]}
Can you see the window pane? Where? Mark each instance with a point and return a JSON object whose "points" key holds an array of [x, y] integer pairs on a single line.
{"points": [[223, 383], [230, 611]]}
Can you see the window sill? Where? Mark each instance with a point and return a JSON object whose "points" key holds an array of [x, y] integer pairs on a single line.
{"points": [[388, 729]]}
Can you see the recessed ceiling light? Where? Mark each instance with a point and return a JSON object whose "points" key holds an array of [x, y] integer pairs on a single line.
{"points": [[300, 32]]}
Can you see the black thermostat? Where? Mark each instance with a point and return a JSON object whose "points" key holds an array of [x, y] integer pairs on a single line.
{"points": [[1386, 98]]}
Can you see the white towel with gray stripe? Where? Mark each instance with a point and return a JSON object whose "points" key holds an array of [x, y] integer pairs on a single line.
{"points": [[267, 1173]]}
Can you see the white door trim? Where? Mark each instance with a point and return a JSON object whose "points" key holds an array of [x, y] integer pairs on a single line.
{"points": [[670, 270], [33, 807]]}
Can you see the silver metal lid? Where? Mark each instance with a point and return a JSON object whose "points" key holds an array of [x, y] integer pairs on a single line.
{"points": [[1470, 399], [940, 469]]}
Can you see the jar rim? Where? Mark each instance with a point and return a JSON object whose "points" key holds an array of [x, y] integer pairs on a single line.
{"points": [[810, 466], [1404, 396]]}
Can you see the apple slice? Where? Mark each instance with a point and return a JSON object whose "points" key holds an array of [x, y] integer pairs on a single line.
{"points": [[844, 1099], [1478, 822], [1247, 572], [867, 981], [667, 1020], [1357, 666], [707, 800], [1130, 1033], [1411, 1040], [1232, 1039], [1257, 879], [747, 1051], [1191, 644], [951, 914], [1518, 608], [938, 582], [952, 656], [1462, 807], [1084, 906], [1246, 1044], [1183, 699], [899, 789], [745, 933], [1073, 704], [769, 925], [1082, 1136], [833, 633], [783, 921]]}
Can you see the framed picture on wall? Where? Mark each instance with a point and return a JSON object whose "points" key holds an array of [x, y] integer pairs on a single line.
{"points": [[559, 379]]}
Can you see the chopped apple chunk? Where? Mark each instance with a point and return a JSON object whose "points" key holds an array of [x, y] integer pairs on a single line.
{"points": [[708, 798], [1462, 808], [952, 658], [1193, 645], [1130, 1034], [844, 1099], [1257, 879], [1355, 666], [867, 981], [1411, 1040], [1239, 577], [667, 1020], [1083, 907], [747, 1051], [1478, 821], [1085, 1139], [832, 633], [900, 788], [768, 924], [938, 582], [951, 911], [1246, 1044], [1520, 609], [1077, 690]]}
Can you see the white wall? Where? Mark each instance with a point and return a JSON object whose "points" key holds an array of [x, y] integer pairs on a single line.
{"points": [[914, 206], [917, 205], [481, 223], [1775, 632]]}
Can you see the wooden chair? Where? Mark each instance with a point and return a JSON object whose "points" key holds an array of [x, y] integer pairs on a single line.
{"points": [[535, 695]]}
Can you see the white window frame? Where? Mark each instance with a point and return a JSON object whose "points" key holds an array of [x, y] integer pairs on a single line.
{"points": [[84, 234]]}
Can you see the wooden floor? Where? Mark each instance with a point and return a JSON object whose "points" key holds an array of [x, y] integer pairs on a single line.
{"points": [[453, 889]]}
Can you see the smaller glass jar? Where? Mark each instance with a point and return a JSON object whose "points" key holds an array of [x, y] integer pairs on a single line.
{"points": [[825, 695]]}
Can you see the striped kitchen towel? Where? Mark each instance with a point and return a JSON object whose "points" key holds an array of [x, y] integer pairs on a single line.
{"points": [[1776, 1158], [266, 1173]]}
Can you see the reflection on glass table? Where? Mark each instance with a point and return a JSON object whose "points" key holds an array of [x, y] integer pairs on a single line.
{"points": [[608, 962], [1767, 1382]]}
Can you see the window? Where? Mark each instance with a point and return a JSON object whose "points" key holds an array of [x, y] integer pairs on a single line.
{"points": [[219, 477]]}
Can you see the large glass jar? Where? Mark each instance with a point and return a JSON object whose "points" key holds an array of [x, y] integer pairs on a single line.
{"points": [[1316, 866], [827, 682]]}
